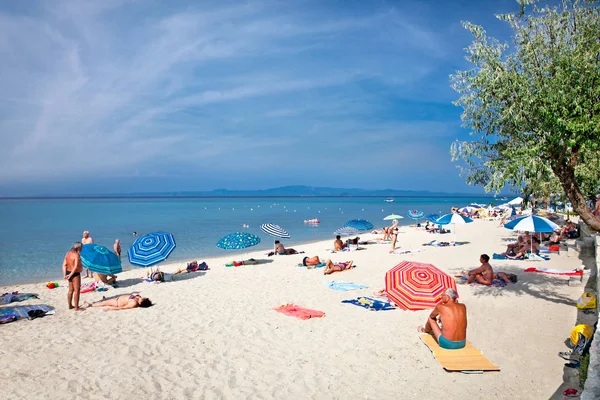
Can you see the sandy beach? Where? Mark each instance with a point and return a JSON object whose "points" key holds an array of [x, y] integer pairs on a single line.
{"points": [[215, 335]]}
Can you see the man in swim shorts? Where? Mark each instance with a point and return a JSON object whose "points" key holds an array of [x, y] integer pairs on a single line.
{"points": [[72, 272], [453, 316]]}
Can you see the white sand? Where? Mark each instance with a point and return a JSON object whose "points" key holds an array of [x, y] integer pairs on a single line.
{"points": [[216, 336]]}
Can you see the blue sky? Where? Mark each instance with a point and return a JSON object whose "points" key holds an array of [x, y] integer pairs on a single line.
{"points": [[124, 95]]}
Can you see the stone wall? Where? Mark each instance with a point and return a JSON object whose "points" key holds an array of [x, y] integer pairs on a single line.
{"points": [[592, 384]]}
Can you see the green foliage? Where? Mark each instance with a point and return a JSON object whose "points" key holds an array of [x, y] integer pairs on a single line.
{"points": [[534, 106], [583, 370]]}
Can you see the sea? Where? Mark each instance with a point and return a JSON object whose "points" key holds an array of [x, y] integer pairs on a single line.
{"points": [[35, 234]]}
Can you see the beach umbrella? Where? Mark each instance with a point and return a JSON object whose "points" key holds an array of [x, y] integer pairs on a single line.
{"points": [[275, 230], [237, 241], [99, 259], [151, 249], [393, 216], [453, 218], [417, 286], [432, 217], [531, 223], [467, 209], [359, 224], [476, 205], [346, 231], [516, 201], [415, 214]]}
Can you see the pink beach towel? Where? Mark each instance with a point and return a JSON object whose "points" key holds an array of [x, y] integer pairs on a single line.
{"points": [[556, 271], [299, 312]]}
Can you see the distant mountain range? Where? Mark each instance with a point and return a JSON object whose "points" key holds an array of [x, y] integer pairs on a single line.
{"points": [[299, 191]]}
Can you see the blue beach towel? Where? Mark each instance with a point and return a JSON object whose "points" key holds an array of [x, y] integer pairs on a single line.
{"points": [[496, 256], [11, 298], [21, 311], [370, 304], [344, 286], [316, 266]]}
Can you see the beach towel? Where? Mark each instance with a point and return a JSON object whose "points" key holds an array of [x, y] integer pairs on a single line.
{"points": [[15, 297], [495, 282], [310, 266], [407, 251], [468, 359], [344, 286], [299, 312], [531, 257], [551, 271], [437, 244], [375, 242], [21, 311], [370, 304]]}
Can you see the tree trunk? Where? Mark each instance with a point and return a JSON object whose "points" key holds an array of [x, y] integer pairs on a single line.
{"points": [[566, 176]]}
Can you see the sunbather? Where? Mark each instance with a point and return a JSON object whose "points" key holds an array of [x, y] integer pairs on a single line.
{"points": [[484, 274], [338, 245], [506, 277], [279, 249], [330, 267], [453, 332], [108, 279], [311, 261], [121, 303]]}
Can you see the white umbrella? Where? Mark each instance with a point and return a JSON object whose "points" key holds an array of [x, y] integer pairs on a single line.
{"points": [[516, 201], [393, 216]]}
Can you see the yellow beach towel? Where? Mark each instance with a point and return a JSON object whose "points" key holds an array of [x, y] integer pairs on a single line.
{"points": [[468, 359]]}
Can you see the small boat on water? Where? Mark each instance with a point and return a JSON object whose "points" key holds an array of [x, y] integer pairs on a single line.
{"points": [[312, 221], [390, 200]]}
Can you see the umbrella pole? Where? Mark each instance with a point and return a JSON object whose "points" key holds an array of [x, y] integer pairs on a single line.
{"points": [[454, 229]]}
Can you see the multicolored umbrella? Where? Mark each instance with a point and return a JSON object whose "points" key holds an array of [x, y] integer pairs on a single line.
{"points": [[275, 230], [417, 286], [346, 231], [393, 216], [237, 241], [359, 224], [415, 214], [99, 259], [151, 249]]}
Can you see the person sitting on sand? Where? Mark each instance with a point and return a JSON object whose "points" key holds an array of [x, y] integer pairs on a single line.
{"points": [[453, 316], [352, 241], [279, 249], [484, 274], [311, 261], [511, 247], [338, 245], [108, 279], [121, 303], [331, 267]]}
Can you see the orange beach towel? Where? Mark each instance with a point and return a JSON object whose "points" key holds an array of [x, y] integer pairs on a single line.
{"points": [[299, 312]]}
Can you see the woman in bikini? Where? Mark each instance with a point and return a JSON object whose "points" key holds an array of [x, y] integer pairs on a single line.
{"points": [[122, 303], [340, 266]]}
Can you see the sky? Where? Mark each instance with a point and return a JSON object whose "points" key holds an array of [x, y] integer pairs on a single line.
{"points": [[118, 96]]}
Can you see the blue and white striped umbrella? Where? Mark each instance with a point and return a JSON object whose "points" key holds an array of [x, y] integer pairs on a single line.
{"points": [[151, 249], [275, 230], [532, 223], [415, 214], [237, 241], [99, 259], [346, 231], [453, 218], [359, 224]]}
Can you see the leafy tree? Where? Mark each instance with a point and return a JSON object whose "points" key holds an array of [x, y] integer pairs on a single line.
{"points": [[534, 108]]}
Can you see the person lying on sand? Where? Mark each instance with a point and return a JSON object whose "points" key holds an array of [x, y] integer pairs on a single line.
{"points": [[484, 274], [311, 261], [121, 303], [330, 267], [453, 332]]}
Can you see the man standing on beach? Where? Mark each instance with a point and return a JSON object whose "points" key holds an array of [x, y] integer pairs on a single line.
{"points": [[117, 247], [72, 272], [87, 239], [453, 316]]}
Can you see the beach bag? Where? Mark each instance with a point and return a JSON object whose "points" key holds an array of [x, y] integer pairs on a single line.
{"points": [[586, 301], [581, 337]]}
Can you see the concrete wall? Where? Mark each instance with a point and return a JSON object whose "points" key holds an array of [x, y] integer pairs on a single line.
{"points": [[592, 384]]}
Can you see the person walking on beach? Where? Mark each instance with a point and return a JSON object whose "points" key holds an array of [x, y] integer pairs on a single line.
{"points": [[453, 316], [72, 272], [87, 239], [117, 247]]}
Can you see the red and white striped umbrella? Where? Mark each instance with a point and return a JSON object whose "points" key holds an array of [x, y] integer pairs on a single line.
{"points": [[417, 286]]}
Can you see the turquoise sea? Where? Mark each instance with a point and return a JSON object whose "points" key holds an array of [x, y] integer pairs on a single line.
{"points": [[36, 233]]}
